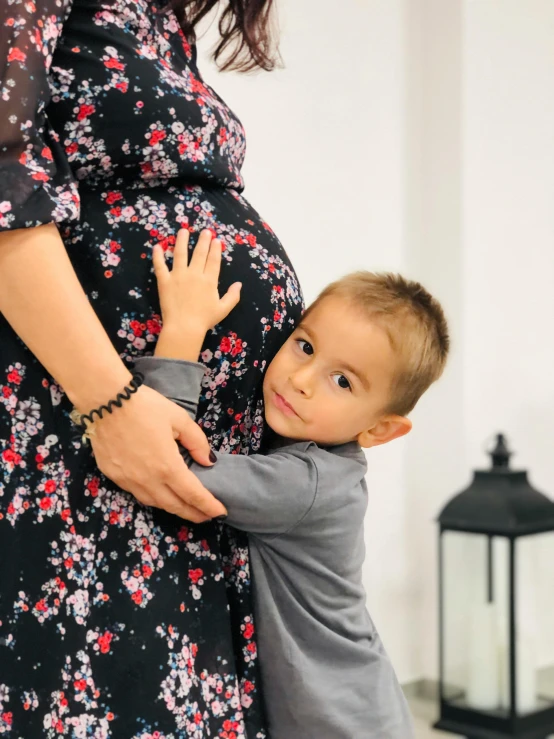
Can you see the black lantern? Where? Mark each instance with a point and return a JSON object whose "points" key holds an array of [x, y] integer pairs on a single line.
{"points": [[496, 543]]}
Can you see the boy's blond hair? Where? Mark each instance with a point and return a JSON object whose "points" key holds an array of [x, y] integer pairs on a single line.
{"points": [[415, 324]]}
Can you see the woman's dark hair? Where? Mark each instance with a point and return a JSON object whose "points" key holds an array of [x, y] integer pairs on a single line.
{"points": [[244, 26]]}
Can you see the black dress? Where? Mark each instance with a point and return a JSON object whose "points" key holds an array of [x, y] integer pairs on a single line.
{"points": [[117, 620]]}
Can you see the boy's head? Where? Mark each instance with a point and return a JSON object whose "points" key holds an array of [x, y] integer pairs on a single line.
{"points": [[364, 353]]}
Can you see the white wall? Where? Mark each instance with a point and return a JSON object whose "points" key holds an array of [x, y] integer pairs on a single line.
{"points": [[417, 135], [508, 239]]}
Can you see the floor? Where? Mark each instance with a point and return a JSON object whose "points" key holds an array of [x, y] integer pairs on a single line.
{"points": [[425, 714]]}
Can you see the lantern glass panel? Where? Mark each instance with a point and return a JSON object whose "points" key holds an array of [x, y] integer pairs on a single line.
{"points": [[534, 598], [475, 610]]}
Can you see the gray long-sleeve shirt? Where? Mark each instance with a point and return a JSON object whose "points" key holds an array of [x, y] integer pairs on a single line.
{"points": [[325, 672]]}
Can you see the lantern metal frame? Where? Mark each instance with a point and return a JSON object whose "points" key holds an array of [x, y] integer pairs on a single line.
{"points": [[499, 502]]}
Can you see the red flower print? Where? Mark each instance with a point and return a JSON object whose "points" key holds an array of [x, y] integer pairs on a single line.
{"points": [[136, 328], [156, 137], [40, 176], [104, 641], [46, 504], [248, 686], [8, 455], [225, 344], [47, 153], [92, 486], [50, 486], [85, 111], [114, 64], [16, 55], [153, 326], [237, 348], [137, 597], [15, 377], [183, 533], [195, 575], [113, 197], [72, 148], [248, 631]]}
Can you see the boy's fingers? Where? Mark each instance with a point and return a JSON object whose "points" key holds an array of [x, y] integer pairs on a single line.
{"points": [[213, 262], [200, 253], [181, 252], [160, 266], [230, 299]]}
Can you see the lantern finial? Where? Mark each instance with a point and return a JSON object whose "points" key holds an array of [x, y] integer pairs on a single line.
{"points": [[500, 454]]}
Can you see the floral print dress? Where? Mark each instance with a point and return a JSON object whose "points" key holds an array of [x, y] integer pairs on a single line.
{"points": [[117, 620]]}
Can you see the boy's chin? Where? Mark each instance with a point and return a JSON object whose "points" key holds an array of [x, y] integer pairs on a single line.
{"points": [[278, 424]]}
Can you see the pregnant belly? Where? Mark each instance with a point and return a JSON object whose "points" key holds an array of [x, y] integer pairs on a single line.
{"points": [[111, 250]]}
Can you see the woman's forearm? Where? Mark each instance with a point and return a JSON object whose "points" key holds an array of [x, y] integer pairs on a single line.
{"points": [[43, 300]]}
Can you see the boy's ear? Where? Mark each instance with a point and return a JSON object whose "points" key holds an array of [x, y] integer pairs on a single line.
{"points": [[388, 427]]}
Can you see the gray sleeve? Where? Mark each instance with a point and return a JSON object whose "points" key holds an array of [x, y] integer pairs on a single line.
{"points": [[178, 380], [264, 495]]}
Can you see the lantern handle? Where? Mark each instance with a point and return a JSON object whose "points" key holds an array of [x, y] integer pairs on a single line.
{"points": [[501, 453]]}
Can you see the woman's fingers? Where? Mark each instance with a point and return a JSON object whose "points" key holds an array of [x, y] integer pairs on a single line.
{"points": [[189, 434], [186, 486], [181, 251], [172, 503]]}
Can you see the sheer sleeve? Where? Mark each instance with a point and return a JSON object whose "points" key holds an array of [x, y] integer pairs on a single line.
{"points": [[36, 183]]}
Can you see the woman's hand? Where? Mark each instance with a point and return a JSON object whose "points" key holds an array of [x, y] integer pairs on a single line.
{"points": [[189, 296], [44, 302], [135, 447]]}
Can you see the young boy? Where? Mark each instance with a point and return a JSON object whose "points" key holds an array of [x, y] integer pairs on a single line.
{"points": [[363, 354]]}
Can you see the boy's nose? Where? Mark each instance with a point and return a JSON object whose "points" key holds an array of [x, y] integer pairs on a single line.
{"points": [[302, 381]]}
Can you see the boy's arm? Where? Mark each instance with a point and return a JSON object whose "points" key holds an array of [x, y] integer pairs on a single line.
{"points": [[179, 380], [264, 495]]}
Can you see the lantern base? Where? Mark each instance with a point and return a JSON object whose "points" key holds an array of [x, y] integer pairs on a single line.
{"points": [[453, 727]]}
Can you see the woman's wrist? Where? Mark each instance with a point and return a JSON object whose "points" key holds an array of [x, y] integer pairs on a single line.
{"points": [[97, 386]]}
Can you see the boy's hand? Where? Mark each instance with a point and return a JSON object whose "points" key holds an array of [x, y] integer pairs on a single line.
{"points": [[189, 297]]}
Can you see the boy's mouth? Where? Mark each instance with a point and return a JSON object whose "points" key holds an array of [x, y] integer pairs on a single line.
{"points": [[283, 405]]}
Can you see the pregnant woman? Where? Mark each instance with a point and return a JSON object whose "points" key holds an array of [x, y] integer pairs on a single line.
{"points": [[117, 617]]}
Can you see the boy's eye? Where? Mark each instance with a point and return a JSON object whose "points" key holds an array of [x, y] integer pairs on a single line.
{"points": [[305, 346], [342, 382]]}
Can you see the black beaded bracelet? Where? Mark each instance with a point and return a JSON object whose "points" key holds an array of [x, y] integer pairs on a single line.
{"points": [[88, 418]]}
